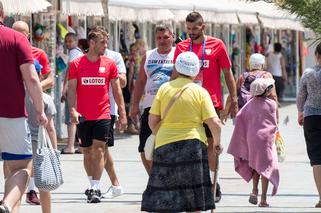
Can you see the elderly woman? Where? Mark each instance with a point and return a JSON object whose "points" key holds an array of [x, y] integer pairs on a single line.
{"points": [[309, 108], [252, 144], [180, 180]]}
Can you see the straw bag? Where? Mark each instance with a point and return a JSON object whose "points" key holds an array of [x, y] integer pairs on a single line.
{"points": [[46, 164], [150, 142]]}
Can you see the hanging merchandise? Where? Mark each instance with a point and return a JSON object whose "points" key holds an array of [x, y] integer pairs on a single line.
{"points": [[63, 31], [39, 32]]}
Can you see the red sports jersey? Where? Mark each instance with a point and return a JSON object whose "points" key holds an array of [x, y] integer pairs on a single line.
{"points": [[41, 56], [93, 86], [215, 59]]}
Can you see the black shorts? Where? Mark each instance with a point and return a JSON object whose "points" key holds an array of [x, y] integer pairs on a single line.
{"points": [[145, 131], [312, 134], [207, 130], [110, 139], [90, 130]]}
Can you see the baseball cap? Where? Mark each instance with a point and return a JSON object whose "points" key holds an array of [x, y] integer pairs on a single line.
{"points": [[256, 61], [187, 63], [261, 85]]}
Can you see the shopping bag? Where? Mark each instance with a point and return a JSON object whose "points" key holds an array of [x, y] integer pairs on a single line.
{"points": [[280, 148], [46, 164], [149, 147]]}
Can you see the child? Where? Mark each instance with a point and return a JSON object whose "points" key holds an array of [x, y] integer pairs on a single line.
{"points": [[50, 110], [252, 144]]}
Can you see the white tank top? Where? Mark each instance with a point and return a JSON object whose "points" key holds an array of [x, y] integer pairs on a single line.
{"points": [[158, 69], [274, 64]]}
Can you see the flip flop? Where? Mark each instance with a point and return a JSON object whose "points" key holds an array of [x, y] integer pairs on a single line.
{"points": [[264, 204], [253, 199], [63, 152]]}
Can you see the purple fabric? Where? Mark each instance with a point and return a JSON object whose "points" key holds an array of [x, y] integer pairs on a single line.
{"points": [[252, 143]]}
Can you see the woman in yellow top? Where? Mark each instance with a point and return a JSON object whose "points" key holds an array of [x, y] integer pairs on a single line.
{"points": [[180, 178]]}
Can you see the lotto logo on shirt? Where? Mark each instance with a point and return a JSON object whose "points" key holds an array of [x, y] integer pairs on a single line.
{"points": [[93, 81]]}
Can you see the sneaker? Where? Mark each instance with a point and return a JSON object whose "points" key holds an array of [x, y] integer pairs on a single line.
{"points": [[4, 209], [113, 192], [32, 198], [93, 196], [218, 195]]}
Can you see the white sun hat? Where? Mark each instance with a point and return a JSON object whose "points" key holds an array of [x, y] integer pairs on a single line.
{"points": [[261, 85], [256, 61], [187, 63]]}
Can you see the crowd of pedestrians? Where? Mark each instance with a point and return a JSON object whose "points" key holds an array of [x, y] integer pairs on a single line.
{"points": [[180, 90]]}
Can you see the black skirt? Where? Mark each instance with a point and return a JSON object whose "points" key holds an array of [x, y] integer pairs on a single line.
{"points": [[180, 179], [312, 134]]}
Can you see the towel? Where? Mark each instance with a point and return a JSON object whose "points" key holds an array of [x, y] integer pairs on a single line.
{"points": [[252, 143]]}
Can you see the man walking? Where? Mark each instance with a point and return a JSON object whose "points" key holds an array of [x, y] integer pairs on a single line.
{"points": [[17, 70], [155, 69], [115, 189], [89, 78], [213, 59], [71, 43]]}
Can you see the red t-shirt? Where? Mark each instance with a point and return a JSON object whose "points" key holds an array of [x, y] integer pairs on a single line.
{"points": [[15, 50], [41, 56], [93, 86], [215, 59]]}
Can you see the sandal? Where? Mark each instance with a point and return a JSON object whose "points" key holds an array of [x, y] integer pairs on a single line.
{"points": [[264, 204], [253, 199]]}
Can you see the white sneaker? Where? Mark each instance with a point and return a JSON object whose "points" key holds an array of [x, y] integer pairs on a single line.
{"points": [[113, 191]]}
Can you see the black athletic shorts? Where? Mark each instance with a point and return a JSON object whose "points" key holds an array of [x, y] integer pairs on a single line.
{"points": [[145, 131], [207, 130], [110, 139], [90, 130]]}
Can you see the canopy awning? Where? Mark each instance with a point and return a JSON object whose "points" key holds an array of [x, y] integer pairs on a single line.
{"points": [[138, 10], [24, 7], [248, 18], [82, 7]]}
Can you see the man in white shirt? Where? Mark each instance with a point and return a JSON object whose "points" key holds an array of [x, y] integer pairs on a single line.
{"points": [[71, 43], [115, 189]]}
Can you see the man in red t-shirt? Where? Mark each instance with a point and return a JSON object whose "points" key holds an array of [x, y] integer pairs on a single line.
{"points": [[17, 72], [213, 59], [89, 78], [46, 78]]}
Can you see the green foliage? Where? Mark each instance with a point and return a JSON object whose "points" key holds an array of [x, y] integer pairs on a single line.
{"points": [[309, 11]]}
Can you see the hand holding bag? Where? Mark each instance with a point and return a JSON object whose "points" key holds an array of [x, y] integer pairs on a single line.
{"points": [[150, 142], [280, 148], [46, 164]]}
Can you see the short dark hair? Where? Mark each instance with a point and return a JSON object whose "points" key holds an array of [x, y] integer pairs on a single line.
{"points": [[277, 47], [194, 17], [71, 34], [163, 27], [96, 32], [318, 49]]}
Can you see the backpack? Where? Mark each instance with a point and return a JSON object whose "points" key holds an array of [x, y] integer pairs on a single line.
{"points": [[244, 94]]}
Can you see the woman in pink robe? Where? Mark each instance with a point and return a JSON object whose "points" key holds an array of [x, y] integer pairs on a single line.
{"points": [[252, 144]]}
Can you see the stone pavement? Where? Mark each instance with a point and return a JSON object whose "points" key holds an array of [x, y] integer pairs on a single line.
{"points": [[297, 192]]}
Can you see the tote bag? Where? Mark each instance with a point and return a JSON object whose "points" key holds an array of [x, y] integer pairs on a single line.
{"points": [[46, 164]]}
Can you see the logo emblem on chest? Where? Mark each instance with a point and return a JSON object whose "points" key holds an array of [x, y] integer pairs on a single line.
{"points": [[102, 69], [95, 81], [208, 51]]}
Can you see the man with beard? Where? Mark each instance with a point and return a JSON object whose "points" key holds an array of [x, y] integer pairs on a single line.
{"points": [[213, 59], [89, 78]]}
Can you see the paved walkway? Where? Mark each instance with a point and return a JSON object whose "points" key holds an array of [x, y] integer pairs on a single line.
{"points": [[297, 191]]}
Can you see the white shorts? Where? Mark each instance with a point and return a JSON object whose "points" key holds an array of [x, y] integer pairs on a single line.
{"points": [[15, 139]]}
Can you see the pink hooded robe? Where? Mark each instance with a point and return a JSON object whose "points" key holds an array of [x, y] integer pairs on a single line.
{"points": [[252, 144]]}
